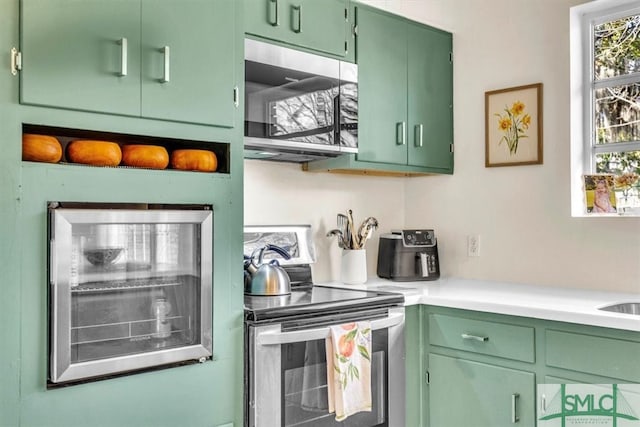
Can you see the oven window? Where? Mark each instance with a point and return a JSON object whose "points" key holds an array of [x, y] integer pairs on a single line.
{"points": [[304, 385], [112, 321], [134, 289]]}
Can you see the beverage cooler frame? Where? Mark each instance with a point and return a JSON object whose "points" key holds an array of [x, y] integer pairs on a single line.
{"points": [[61, 220]]}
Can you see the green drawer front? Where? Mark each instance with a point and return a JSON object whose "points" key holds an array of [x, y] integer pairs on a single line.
{"points": [[502, 340], [595, 355]]}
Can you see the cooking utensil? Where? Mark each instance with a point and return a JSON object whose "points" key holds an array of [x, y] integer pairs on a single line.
{"points": [[351, 231], [342, 226], [366, 229], [269, 278], [341, 240]]}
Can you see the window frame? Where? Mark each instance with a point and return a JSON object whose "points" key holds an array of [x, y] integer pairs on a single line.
{"points": [[583, 18], [591, 20]]}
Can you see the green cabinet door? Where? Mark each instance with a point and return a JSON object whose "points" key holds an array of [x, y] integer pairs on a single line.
{"points": [[188, 60], [81, 54], [382, 87], [319, 25], [430, 98], [462, 393]]}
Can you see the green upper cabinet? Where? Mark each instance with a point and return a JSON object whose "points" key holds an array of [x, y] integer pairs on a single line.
{"points": [[164, 59], [430, 98], [81, 54], [187, 60], [405, 104], [319, 25], [405, 85], [382, 88]]}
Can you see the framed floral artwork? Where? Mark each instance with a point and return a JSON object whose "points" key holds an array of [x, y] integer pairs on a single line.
{"points": [[513, 126]]}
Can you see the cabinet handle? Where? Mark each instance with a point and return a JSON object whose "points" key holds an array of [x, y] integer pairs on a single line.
{"points": [[401, 131], [297, 12], [166, 74], [543, 404], [474, 337], [419, 131], [514, 407], [236, 96], [124, 57], [273, 13], [16, 61]]}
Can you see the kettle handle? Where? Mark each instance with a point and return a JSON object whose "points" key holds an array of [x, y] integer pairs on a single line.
{"points": [[277, 249]]}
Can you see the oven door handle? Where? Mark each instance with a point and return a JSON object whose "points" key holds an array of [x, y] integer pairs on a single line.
{"points": [[277, 338]]}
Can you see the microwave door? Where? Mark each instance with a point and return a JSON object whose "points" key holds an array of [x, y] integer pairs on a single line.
{"points": [[303, 111]]}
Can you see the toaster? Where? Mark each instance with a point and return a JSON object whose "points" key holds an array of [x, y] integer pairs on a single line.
{"points": [[408, 255]]}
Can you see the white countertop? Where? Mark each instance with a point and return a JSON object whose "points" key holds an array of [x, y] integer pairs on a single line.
{"points": [[540, 302]]}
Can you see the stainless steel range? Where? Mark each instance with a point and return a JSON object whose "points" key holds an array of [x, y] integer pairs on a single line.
{"points": [[285, 362]]}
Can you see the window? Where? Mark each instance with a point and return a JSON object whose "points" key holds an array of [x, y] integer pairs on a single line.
{"points": [[605, 94], [614, 92]]}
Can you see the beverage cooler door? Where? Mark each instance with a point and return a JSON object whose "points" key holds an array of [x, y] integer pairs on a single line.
{"points": [[130, 288]]}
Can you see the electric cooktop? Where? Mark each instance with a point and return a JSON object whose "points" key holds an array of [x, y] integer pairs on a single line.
{"points": [[309, 300], [306, 300]]}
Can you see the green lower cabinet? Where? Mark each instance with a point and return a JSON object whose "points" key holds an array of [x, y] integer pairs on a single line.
{"points": [[596, 355], [413, 365], [493, 370], [464, 392], [318, 25]]}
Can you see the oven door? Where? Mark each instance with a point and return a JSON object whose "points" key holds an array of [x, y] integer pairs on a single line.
{"points": [[287, 378], [129, 289]]}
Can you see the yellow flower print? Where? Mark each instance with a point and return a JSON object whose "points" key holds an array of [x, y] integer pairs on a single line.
{"points": [[513, 125], [517, 108], [504, 123]]}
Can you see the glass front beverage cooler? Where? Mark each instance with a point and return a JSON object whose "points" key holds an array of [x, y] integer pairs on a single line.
{"points": [[130, 288]]}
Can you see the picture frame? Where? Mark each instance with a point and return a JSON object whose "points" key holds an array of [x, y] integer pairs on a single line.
{"points": [[599, 194], [513, 126]]}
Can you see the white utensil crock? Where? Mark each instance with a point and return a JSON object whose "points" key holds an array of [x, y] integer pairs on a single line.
{"points": [[353, 270]]}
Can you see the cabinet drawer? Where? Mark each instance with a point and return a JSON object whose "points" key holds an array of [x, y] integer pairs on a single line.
{"points": [[477, 336], [594, 355]]}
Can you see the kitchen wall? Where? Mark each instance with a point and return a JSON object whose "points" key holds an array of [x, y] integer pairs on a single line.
{"points": [[522, 214], [280, 193]]}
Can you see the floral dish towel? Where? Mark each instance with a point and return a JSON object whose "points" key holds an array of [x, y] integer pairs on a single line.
{"points": [[349, 369]]}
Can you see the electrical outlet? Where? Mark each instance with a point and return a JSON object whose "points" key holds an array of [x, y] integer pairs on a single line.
{"points": [[473, 245]]}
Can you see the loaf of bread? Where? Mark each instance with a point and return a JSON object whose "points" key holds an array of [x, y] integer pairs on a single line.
{"points": [[41, 148], [194, 160], [145, 156], [96, 153]]}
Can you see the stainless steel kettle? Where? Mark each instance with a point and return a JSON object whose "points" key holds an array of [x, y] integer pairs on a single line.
{"points": [[268, 279]]}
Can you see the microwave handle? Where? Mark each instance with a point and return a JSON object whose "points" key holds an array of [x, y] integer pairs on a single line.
{"points": [[336, 119], [277, 338]]}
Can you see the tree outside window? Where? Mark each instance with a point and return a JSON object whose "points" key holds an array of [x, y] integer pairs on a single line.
{"points": [[615, 86]]}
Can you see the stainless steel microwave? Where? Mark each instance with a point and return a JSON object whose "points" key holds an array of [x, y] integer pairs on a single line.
{"points": [[298, 106]]}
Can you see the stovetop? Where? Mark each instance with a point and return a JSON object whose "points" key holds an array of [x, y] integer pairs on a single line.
{"points": [[305, 300], [310, 300]]}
